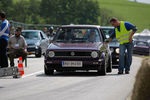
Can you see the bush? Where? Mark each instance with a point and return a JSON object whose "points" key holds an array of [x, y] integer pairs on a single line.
{"points": [[141, 89]]}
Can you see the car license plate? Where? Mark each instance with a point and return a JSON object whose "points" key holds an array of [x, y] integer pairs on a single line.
{"points": [[30, 52], [71, 63]]}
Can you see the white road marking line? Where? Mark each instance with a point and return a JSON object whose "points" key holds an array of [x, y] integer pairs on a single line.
{"points": [[35, 73]]}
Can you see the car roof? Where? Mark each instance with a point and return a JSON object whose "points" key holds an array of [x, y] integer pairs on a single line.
{"points": [[107, 27], [80, 26], [31, 30], [141, 34]]}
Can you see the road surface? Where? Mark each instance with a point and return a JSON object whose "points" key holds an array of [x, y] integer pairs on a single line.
{"points": [[34, 85]]}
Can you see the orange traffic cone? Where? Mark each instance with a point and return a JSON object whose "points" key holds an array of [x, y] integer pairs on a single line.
{"points": [[20, 66]]}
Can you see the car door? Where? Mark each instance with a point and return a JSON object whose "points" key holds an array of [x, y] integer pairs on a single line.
{"points": [[44, 42]]}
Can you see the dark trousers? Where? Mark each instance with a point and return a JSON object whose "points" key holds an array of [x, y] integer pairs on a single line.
{"points": [[15, 53], [3, 53]]}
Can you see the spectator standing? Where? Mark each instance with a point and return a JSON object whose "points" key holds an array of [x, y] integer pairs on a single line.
{"points": [[51, 34], [12, 30], [4, 34], [45, 30]]}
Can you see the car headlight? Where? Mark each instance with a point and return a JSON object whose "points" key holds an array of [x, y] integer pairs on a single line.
{"points": [[37, 43], [36, 47], [112, 49], [94, 54], [117, 50], [51, 54]]}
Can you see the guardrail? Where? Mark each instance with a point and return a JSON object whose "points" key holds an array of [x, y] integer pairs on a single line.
{"points": [[31, 26]]}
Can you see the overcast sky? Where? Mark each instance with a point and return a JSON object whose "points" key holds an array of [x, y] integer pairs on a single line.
{"points": [[142, 1]]}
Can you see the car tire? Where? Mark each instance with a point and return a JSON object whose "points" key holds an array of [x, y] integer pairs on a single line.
{"points": [[102, 70], [109, 67], [39, 54], [48, 71]]}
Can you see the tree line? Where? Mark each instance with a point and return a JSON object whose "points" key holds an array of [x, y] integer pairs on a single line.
{"points": [[56, 11]]}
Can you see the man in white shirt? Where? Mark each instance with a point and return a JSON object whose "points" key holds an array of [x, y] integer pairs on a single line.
{"points": [[17, 46]]}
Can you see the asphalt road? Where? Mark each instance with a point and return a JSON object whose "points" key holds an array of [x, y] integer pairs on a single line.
{"points": [[34, 85]]}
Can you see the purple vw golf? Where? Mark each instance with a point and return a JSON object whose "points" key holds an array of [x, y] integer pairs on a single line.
{"points": [[78, 47]]}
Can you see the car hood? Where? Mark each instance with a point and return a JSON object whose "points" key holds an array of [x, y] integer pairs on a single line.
{"points": [[32, 42], [114, 44], [75, 46]]}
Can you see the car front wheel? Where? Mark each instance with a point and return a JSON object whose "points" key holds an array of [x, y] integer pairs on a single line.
{"points": [[109, 68], [38, 53], [102, 70], [48, 71]]}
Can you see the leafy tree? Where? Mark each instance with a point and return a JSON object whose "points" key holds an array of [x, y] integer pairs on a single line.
{"points": [[21, 11], [70, 11], [105, 16], [56, 11], [7, 6]]}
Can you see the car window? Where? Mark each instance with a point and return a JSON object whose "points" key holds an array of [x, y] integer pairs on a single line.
{"points": [[30, 35], [108, 32], [141, 43], [77, 35], [140, 37], [42, 35]]}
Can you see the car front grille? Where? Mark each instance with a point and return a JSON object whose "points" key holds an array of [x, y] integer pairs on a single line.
{"points": [[72, 54], [31, 44]]}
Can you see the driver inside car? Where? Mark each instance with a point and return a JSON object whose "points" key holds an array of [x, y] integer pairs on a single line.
{"points": [[92, 37]]}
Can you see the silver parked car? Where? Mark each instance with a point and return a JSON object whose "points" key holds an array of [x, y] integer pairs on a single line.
{"points": [[37, 42]]}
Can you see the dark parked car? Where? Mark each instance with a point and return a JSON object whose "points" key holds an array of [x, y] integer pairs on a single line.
{"points": [[114, 45], [142, 44], [37, 42], [78, 47]]}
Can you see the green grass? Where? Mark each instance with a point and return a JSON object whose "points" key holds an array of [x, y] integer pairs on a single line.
{"points": [[136, 13]]}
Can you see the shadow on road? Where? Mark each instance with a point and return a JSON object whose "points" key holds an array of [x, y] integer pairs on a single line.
{"points": [[33, 56], [1, 87], [8, 77], [71, 74], [115, 67], [76, 74]]}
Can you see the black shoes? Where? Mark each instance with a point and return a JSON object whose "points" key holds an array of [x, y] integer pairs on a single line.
{"points": [[120, 73], [127, 72]]}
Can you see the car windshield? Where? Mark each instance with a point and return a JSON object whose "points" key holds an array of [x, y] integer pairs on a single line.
{"points": [[108, 32], [138, 37], [141, 43], [30, 35], [79, 35]]}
